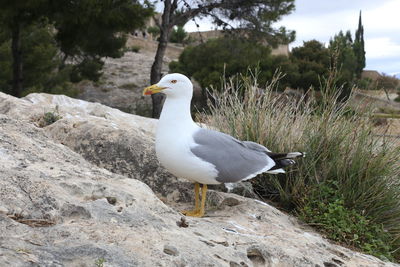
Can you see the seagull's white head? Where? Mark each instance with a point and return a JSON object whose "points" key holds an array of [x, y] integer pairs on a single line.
{"points": [[172, 85]]}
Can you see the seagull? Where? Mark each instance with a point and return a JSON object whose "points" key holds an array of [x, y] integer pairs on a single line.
{"points": [[201, 155]]}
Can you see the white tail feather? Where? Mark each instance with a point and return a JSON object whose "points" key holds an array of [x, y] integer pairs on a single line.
{"points": [[293, 155]]}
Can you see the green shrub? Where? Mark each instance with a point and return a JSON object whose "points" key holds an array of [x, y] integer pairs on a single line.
{"points": [[135, 48], [313, 61], [367, 84], [49, 118], [154, 31], [360, 170], [326, 210], [178, 35], [100, 262], [231, 56]]}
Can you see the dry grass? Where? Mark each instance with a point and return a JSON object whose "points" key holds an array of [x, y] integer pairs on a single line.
{"points": [[341, 151]]}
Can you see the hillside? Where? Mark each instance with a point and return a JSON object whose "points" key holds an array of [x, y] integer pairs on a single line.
{"points": [[87, 190]]}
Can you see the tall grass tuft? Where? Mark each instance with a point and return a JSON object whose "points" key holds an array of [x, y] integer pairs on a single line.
{"points": [[348, 185]]}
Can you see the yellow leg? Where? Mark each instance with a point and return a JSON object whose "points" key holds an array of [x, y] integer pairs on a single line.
{"points": [[199, 208], [196, 196], [203, 200]]}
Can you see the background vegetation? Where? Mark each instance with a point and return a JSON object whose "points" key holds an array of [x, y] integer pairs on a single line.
{"points": [[45, 45], [347, 185], [306, 66]]}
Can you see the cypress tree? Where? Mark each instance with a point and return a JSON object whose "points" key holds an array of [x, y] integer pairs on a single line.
{"points": [[358, 48]]}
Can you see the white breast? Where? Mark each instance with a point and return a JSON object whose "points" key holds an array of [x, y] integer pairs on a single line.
{"points": [[173, 142]]}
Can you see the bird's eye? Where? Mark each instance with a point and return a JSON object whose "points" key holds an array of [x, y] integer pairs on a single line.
{"points": [[173, 81]]}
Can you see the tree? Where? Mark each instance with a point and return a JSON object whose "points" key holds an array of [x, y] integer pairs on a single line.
{"points": [[232, 55], [252, 16], [86, 30], [341, 46], [313, 62], [178, 35], [206, 62], [344, 59], [358, 48], [388, 82], [99, 30], [14, 15], [154, 31]]}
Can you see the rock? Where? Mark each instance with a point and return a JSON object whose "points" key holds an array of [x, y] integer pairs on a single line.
{"points": [[259, 257], [58, 213], [120, 142], [3, 210], [112, 200], [170, 250], [74, 211], [230, 201], [243, 189]]}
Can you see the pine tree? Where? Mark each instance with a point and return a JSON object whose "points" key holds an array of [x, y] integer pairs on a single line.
{"points": [[84, 31], [358, 48]]}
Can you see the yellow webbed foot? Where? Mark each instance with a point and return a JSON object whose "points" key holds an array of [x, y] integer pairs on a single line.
{"points": [[193, 213], [199, 207]]}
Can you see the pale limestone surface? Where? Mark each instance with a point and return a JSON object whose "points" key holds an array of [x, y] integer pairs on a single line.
{"points": [[56, 176]]}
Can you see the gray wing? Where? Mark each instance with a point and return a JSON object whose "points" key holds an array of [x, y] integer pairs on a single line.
{"points": [[233, 159]]}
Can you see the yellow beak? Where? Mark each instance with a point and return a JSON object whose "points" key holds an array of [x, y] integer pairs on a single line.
{"points": [[152, 89]]}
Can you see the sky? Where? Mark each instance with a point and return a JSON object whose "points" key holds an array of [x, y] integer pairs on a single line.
{"points": [[322, 19]]}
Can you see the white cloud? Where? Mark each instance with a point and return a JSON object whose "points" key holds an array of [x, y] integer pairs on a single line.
{"points": [[321, 27], [382, 47], [204, 25], [383, 18]]}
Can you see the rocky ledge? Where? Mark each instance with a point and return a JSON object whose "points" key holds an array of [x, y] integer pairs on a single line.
{"points": [[87, 190]]}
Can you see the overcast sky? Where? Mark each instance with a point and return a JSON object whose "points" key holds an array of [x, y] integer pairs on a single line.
{"points": [[321, 19]]}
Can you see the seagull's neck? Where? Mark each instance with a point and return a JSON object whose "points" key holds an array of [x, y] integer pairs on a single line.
{"points": [[176, 114]]}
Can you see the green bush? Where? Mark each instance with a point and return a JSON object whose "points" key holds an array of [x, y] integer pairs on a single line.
{"points": [[178, 35], [357, 171], [313, 61], [49, 118], [326, 210], [306, 66], [366, 84], [154, 31], [135, 48], [230, 56]]}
